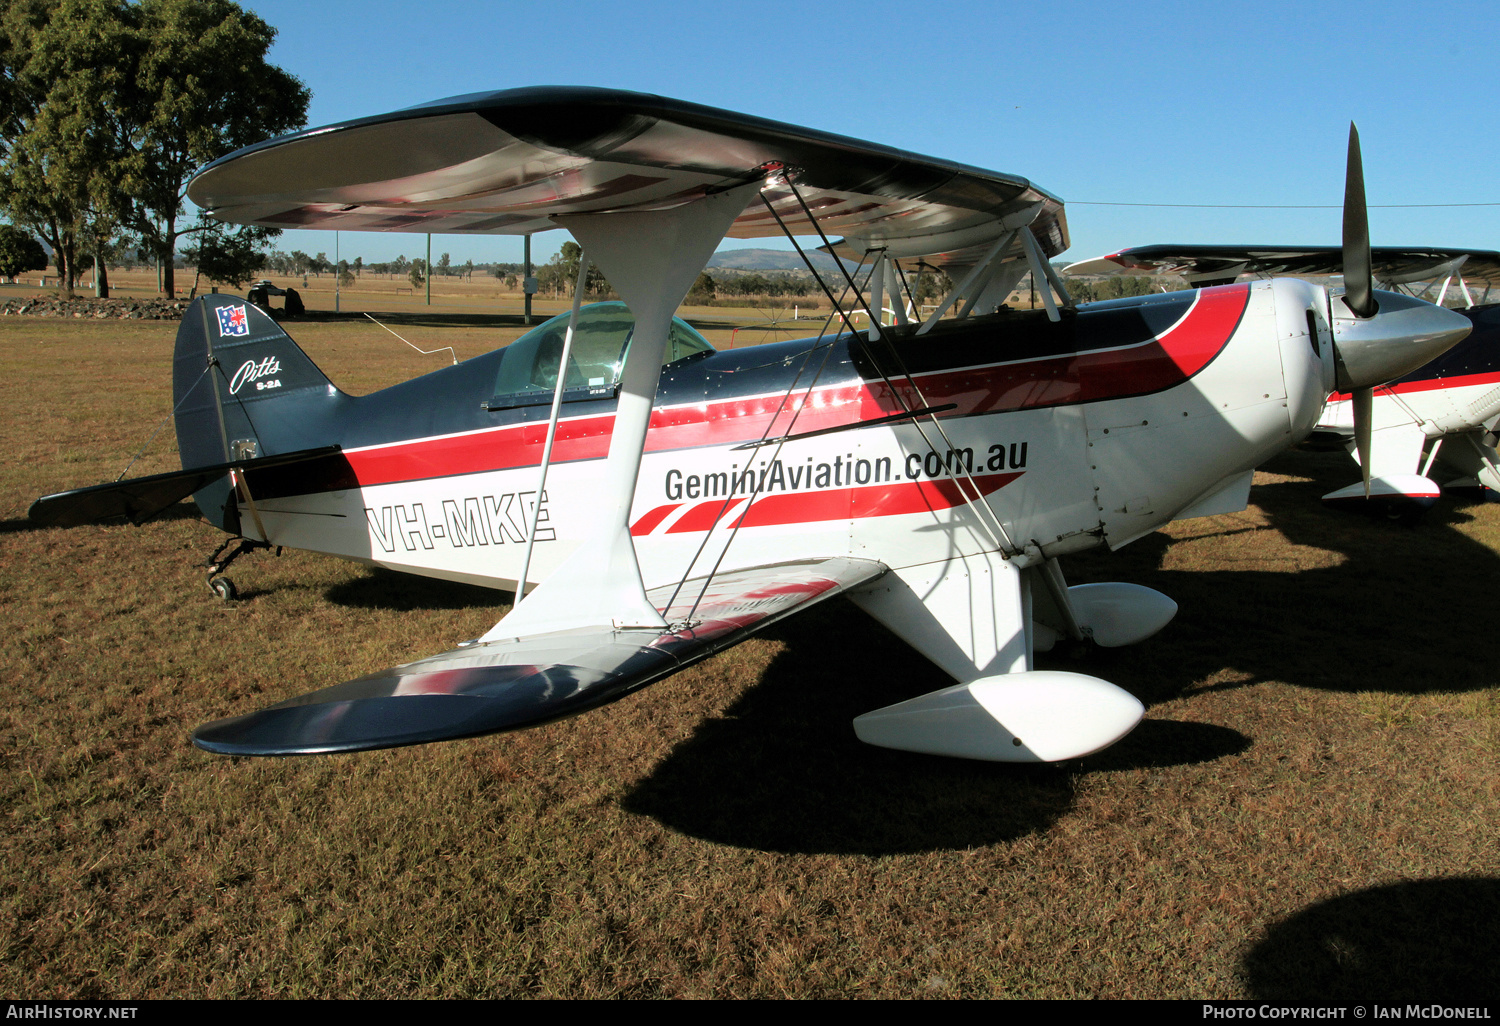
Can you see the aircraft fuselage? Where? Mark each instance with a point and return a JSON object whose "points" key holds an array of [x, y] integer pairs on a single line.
{"points": [[1094, 430]]}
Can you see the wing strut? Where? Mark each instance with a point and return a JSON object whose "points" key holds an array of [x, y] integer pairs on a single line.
{"points": [[651, 257], [557, 394], [898, 298], [969, 280], [1035, 259]]}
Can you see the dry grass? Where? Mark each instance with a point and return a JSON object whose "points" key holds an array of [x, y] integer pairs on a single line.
{"points": [[1309, 811]]}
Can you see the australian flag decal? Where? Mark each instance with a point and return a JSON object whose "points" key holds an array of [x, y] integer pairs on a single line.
{"points": [[232, 320]]}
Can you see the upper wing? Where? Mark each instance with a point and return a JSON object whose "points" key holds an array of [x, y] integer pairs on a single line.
{"points": [[521, 682], [1212, 265], [506, 162]]}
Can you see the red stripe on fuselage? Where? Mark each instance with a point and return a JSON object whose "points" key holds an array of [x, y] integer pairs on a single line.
{"points": [[1152, 366], [868, 501], [1427, 385], [857, 503], [700, 518], [648, 523], [586, 438]]}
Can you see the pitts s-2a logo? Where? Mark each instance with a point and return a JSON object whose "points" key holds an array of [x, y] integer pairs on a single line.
{"points": [[465, 523], [258, 371]]}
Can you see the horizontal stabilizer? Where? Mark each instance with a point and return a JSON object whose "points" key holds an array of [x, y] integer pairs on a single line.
{"points": [[140, 498], [512, 683]]}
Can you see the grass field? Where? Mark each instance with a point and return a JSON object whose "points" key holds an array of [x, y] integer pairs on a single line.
{"points": [[1309, 811]]}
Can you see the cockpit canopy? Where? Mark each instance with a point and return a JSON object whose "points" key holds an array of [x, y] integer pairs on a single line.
{"points": [[528, 369]]}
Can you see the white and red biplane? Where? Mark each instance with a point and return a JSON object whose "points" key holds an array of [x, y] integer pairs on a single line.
{"points": [[671, 500], [1442, 414]]}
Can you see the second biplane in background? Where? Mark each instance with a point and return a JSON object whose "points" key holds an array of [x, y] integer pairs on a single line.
{"points": [[1440, 416]]}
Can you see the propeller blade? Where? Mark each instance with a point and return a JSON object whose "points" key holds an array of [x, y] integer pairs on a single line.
{"points": [[1359, 283], [1362, 399]]}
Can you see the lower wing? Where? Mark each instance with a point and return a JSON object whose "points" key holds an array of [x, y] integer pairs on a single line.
{"points": [[485, 688]]}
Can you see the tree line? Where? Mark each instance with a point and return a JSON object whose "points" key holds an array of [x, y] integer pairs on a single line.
{"points": [[1118, 287], [559, 275], [108, 108]]}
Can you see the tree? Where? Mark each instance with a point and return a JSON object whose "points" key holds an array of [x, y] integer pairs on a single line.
{"points": [[416, 276], [19, 252], [65, 67], [754, 284], [443, 264], [552, 277], [703, 288], [108, 107], [201, 88], [231, 257], [1120, 286], [567, 261], [931, 285]]}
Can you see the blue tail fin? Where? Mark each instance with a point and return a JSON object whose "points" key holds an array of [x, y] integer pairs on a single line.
{"points": [[243, 389]]}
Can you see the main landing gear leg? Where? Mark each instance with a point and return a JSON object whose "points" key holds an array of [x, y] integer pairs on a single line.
{"points": [[223, 587]]}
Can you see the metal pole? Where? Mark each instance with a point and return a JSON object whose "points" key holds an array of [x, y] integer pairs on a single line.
{"points": [[428, 276], [525, 274], [338, 272]]}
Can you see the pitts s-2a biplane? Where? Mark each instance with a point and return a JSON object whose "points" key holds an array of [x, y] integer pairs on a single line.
{"points": [[672, 500], [1442, 413]]}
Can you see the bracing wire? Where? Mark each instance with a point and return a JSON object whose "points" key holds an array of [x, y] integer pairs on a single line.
{"points": [[1003, 540], [142, 450]]}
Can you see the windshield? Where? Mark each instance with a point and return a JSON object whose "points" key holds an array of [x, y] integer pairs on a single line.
{"points": [[528, 370]]}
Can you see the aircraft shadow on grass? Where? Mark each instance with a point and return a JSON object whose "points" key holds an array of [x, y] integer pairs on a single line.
{"points": [[1419, 941], [380, 588], [783, 771], [1401, 613], [181, 511]]}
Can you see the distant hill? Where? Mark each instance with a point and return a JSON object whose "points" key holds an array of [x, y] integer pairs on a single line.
{"points": [[769, 260]]}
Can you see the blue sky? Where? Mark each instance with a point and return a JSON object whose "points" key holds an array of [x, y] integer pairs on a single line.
{"points": [[1140, 103]]}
